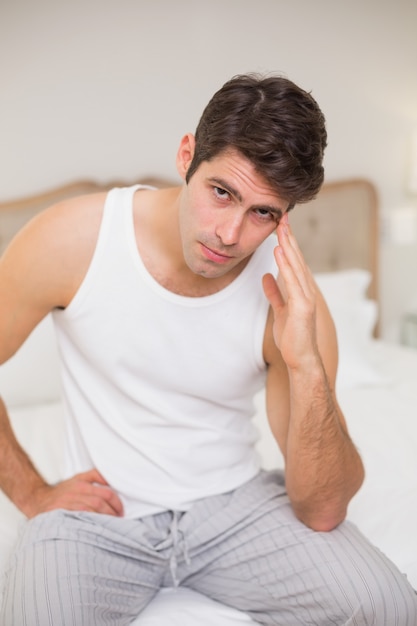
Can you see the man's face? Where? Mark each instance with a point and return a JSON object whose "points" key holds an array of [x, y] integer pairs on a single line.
{"points": [[227, 210]]}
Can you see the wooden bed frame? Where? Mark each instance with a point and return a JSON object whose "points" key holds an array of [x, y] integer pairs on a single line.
{"points": [[338, 230]]}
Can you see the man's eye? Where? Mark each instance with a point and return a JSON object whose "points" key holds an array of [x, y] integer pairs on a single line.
{"points": [[221, 193], [266, 215]]}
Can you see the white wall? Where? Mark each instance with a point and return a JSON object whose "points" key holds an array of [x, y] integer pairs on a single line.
{"points": [[106, 88]]}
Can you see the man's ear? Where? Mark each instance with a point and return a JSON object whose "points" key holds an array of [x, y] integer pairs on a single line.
{"points": [[185, 154]]}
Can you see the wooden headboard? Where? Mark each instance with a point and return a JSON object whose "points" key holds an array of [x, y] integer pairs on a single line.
{"points": [[337, 230]]}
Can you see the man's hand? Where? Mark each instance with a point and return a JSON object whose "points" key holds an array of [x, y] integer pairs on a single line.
{"points": [[87, 491], [293, 301]]}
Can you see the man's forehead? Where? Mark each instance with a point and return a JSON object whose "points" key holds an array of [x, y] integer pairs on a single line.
{"points": [[238, 174]]}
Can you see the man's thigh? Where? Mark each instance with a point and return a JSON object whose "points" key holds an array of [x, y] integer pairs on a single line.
{"points": [[80, 568], [249, 551]]}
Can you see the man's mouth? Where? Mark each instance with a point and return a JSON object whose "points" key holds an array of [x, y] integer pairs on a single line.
{"points": [[214, 255]]}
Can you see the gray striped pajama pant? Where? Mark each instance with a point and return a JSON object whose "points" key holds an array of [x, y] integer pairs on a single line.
{"points": [[245, 549]]}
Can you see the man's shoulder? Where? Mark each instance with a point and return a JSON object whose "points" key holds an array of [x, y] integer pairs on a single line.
{"points": [[58, 243], [71, 222]]}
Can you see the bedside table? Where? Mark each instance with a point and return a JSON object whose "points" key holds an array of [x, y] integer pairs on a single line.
{"points": [[409, 329]]}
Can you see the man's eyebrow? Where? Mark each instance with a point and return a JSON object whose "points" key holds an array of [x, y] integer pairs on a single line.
{"points": [[234, 192], [224, 185]]}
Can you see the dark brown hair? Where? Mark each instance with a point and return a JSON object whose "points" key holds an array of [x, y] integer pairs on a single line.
{"points": [[272, 122]]}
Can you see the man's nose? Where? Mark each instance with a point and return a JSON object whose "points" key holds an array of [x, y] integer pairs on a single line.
{"points": [[229, 229]]}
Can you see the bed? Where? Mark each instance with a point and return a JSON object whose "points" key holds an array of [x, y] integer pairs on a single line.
{"points": [[377, 389]]}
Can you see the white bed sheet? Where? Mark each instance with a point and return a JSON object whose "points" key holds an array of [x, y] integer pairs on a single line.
{"points": [[382, 422]]}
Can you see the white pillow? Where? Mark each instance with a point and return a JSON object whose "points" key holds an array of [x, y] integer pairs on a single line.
{"points": [[346, 285], [354, 324], [32, 374], [354, 316]]}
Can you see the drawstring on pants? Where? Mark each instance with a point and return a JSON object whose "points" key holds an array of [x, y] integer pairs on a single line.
{"points": [[179, 544]]}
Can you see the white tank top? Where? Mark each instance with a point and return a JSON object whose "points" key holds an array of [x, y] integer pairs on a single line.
{"points": [[158, 387]]}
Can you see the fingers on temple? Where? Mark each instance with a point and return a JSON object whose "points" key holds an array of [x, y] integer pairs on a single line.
{"points": [[291, 261]]}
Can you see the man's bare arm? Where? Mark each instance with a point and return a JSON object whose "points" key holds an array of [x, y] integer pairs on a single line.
{"points": [[18, 476], [41, 270], [26, 488], [323, 467]]}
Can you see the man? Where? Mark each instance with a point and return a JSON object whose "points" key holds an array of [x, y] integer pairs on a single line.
{"points": [[169, 317]]}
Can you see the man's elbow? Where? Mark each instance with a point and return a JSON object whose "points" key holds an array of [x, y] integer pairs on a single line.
{"points": [[323, 521], [324, 513]]}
